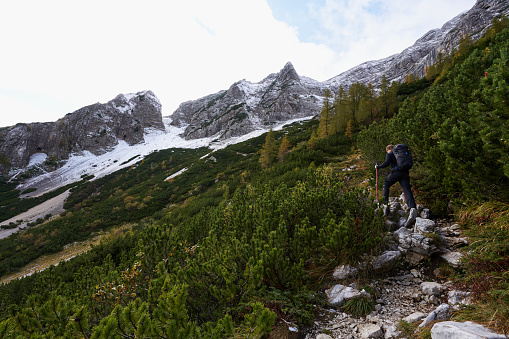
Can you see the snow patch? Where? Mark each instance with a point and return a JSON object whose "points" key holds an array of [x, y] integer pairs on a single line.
{"points": [[177, 173], [123, 155], [37, 159]]}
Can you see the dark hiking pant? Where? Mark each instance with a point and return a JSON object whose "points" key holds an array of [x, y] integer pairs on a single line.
{"points": [[403, 178]]}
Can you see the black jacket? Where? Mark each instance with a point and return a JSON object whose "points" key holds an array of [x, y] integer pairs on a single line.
{"points": [[390, 159]]}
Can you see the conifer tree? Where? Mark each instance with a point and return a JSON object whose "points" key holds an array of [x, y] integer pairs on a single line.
{"points": [[284, 148], [356, 93], [369, 104], [269, 150], [349, 129], [340, 110], [312, 140], [387, 97], [324, 128]]}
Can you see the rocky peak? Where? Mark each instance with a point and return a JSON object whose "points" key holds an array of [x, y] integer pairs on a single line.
{"points": [[95, 128], [286, 95], [246, 106], [288, 73], [488, 4]]}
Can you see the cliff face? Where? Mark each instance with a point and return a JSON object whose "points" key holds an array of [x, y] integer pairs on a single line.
{"points": [[246, 106], [95, 128]]}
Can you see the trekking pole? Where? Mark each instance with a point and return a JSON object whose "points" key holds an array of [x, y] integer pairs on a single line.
{"points": [[376, 186]]}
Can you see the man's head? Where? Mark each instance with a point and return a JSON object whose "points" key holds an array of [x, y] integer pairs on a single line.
{"points": [[389, 148]]}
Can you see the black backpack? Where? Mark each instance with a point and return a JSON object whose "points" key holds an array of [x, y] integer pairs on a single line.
{"points": [[403, 157]]}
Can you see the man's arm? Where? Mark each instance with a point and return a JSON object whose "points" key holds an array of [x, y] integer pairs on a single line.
{"points": [[387, 161]]}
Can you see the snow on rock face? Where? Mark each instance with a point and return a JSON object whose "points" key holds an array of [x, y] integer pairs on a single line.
{"points": [[96, 128], [37, 159], [286, 95], [425, 51], [246, 106]]}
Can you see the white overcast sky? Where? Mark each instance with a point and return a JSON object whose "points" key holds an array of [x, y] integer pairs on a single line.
{"points": [[57, 56]]}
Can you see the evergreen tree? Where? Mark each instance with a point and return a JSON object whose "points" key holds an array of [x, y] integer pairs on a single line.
{"points": [[312, 140], [355, 95]]}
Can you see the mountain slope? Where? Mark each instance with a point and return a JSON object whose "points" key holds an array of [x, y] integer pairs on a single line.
{"points": [[97, 138], [426, 50]]}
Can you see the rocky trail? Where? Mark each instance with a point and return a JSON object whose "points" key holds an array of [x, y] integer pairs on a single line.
{"points": [[409, 291]]}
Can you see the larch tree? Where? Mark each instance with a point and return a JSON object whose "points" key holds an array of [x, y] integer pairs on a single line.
{"points": [[325, 116], [284, 148], [269, 151], [340, 110]]}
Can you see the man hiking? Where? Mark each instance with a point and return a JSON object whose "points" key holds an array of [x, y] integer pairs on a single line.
{"points": [[398, 173]]}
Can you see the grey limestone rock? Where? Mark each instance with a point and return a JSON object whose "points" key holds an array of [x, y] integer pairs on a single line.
{"points": [[96, 128], [345, 271], [414, 317], [245, 106], [415, 246], [465, 330], [458, 298], [426, 50], [431, 288], [442, 312], [387, 261], [452, 258], [339, 294], [369, 331], [424, 225]]}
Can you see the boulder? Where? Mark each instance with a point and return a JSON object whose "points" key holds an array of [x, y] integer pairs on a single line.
{"points": [[345, 271], [416, 316], [442, 312], [387, 261], [466, 330], [458, 298], [339, 294], [424, 225], [415, 246], [369, 331], [452, 258], [431, 288]]}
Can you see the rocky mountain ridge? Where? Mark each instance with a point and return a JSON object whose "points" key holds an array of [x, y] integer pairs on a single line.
{"points": [[246, 106], [243, 108], [95, 128], [426, 50]]}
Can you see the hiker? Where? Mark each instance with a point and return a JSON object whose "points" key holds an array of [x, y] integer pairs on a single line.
{"points": [[397, 175]]}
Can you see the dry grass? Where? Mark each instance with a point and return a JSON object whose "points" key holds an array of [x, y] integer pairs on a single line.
{"points": [[357, 176], [487, 272], [493, 214], [69, 252]]}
